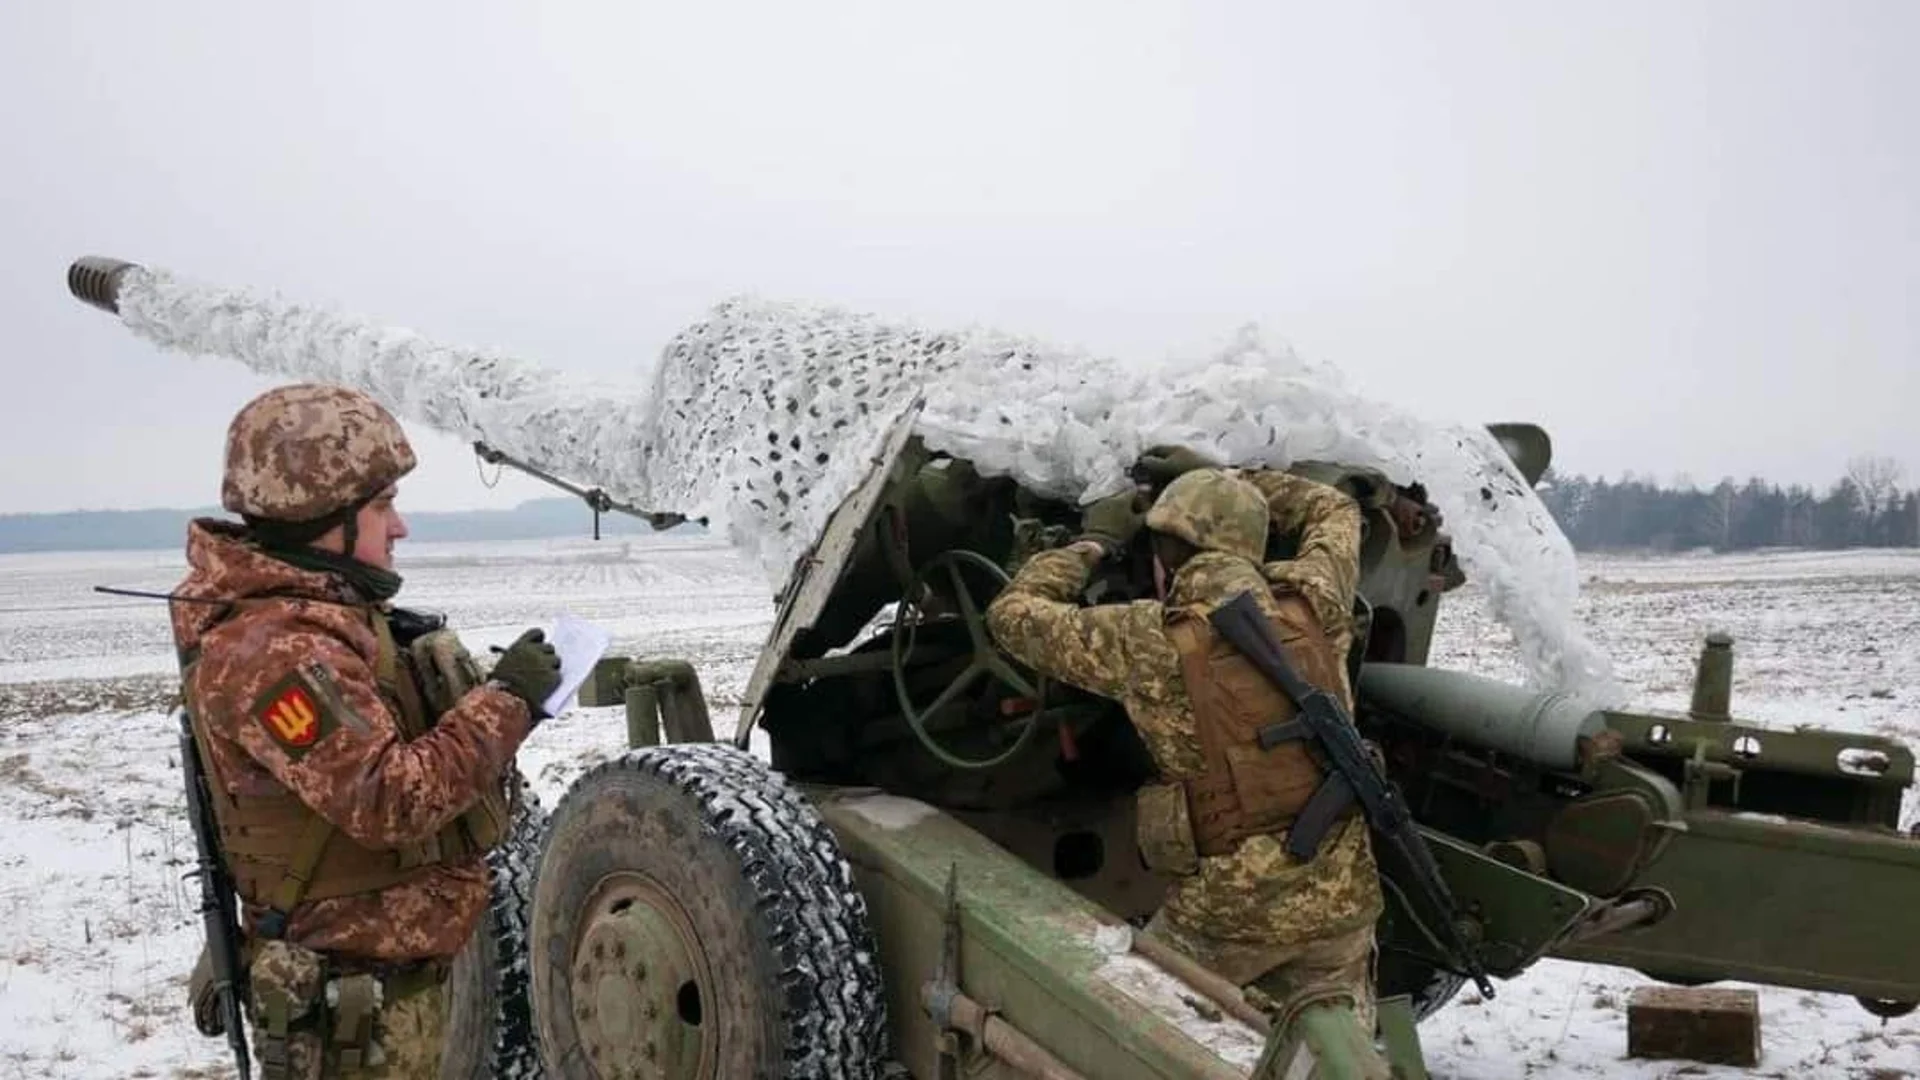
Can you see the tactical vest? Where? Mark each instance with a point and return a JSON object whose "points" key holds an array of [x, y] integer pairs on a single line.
{"points": [[281, 853], [1243, 790]]}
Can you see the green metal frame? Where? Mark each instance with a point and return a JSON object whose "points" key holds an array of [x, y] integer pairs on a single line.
{"points": [[1029, 948], [1823, 905]]}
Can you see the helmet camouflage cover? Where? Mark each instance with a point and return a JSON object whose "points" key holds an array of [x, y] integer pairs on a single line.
{"points": [[1214, 510], [299, 453]]}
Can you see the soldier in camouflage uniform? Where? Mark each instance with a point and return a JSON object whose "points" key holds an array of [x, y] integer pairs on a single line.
{"points": [[356, 783], [1299, 935]]}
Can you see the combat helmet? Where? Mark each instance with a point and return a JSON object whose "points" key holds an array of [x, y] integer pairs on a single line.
{"points": [[1214, 510], [311, 454]]}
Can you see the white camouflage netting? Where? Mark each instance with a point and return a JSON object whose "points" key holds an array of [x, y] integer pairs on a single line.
{"points": [[763, 417]]}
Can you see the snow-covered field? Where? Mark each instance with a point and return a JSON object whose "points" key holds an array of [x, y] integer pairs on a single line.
{"points": [[99, 928]]}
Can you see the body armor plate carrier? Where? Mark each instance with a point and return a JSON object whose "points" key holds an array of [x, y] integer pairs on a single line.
{"points": [[1243, 790], [281, 853]]}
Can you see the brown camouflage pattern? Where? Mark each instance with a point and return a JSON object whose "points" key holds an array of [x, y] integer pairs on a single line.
{"points": [[409, 1032], [412, 1032], [287, 978], [1258, 893], [378, 790], [301, 452], [1214, 510]]}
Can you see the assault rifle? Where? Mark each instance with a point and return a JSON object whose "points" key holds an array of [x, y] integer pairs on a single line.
{"points": [[1353, 776], [217, 912]]}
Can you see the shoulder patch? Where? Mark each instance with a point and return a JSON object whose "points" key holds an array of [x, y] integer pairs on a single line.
{"points": [[295, 715]]}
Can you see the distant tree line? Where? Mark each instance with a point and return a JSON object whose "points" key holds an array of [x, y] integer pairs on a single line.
{"points": [[1864, 508]]}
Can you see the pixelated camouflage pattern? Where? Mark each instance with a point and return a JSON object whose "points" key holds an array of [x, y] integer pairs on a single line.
{"points": [[380, 791], [410, 1034], [301, 452], [1258, 893], [1214, 510], [287, 978], [1326, 567]]}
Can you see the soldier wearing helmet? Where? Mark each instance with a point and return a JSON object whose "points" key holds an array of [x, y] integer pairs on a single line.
{"points": [[360, 767], [1298, 935]]}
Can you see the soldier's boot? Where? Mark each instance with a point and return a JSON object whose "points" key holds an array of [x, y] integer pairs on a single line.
{"points": [[1324, 1041]]}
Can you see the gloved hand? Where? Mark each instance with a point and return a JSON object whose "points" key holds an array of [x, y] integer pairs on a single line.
{"points": [[1159, 465], [1112, 522], [529, 669]]}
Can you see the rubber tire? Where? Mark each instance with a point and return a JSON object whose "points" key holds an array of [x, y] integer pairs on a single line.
{"points": [[490, 1011], [770, 896]]}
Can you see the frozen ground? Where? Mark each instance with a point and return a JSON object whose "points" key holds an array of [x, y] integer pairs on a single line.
{"points": [[99, 929]]}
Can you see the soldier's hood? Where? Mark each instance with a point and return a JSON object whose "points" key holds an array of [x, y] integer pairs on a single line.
{"points": [[224, 565]]}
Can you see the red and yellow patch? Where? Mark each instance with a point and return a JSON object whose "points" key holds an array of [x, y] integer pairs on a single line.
{"points": [[293, 715], [292, 718]]}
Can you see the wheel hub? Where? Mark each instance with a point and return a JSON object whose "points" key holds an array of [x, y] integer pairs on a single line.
{"points": [[640, 987]]}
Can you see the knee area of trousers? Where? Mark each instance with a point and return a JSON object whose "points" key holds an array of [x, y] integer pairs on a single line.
{"points": [[1332, 1044]]}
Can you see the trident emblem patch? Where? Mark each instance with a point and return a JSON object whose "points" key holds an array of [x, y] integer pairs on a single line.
{"points": [[292, 716]]}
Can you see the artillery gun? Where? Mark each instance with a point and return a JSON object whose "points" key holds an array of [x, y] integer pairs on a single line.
{"points": [[938, 874]]}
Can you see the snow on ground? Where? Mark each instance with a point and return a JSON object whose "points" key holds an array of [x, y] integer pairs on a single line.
{"points": [[99, 928]]}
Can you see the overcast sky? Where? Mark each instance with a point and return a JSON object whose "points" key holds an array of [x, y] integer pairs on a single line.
{"points": [[1685, 237]]}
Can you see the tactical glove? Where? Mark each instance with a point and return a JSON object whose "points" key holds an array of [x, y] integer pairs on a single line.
{"points": [[1112, 522], [529, 669], [1160, 465]]}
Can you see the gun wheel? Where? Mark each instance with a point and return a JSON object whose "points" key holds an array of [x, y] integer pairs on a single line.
{"points": [[693, 917], [490, 1017]]}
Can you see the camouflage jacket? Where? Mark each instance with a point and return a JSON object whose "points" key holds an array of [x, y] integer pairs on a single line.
{"points": [[1257, 893], [293, 629]]}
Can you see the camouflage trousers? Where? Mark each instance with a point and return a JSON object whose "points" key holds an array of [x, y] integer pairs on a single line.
{"points": [[410, 1034], [309, 1027], [1319, 994]]}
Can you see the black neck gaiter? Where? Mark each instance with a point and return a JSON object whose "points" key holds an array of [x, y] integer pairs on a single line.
{"points": [[371, 582]]}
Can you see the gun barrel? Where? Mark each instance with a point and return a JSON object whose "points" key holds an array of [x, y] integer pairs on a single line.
{"points": [[1545, 729], [95, 279]]}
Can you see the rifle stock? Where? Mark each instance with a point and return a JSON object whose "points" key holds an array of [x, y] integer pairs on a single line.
{"points": [[1324, 719]]}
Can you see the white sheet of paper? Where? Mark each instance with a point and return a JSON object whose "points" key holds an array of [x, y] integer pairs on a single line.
{"points": [[580, 645]]}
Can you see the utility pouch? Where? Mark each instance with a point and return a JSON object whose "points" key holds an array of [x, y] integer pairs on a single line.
{"points": [[1272, 785], [446, 669], [354, 1001], [287, 987], [1163, 828]]}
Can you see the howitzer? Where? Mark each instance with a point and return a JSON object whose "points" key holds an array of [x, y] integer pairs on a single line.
{"points": [[217, 910], [911, 753], [1352, 775]]}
